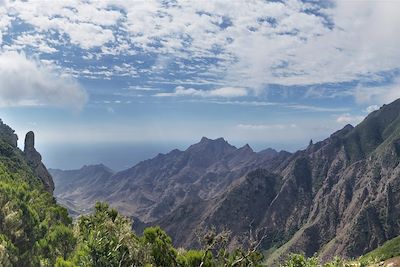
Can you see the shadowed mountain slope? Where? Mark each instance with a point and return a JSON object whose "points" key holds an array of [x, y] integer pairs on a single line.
{"points": [[155, 187], [339, 196]]}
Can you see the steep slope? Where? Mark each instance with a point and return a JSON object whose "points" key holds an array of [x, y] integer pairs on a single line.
{"points": [[238, 210], [389, 250], [339, 196], [356, 207], [73, 187], [276, 202], [28, 212]]}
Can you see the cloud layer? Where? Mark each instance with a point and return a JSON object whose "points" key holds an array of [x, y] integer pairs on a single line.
{"points": [[226, 92], [233, 43], [382, 94], [28, 82]]}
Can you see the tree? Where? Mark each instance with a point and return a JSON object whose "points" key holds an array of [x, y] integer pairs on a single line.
{"points": [[59, 242], [105, 239], [160, 245], [298, 260]]}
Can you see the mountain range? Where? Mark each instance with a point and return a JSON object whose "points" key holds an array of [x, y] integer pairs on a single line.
{"points": [[339, 196], [155, 187]]}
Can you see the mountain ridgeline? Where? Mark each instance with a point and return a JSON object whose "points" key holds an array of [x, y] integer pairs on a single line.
{"points": [[35, 231], [340, 196], [153, 188]]}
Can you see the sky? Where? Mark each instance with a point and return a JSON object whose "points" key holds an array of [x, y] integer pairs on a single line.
{"points": [[120, 74]]}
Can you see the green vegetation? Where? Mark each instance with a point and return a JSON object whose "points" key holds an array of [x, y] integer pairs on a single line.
{"points": [[388, 250], [32, 226], [298, 260], [379, 129], [104, 238], [35, 231]]}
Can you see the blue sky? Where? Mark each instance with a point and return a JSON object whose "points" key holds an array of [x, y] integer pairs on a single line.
{"points": [[267, 73]]}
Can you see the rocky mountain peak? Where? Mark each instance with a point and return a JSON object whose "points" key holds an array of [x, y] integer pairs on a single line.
{"points": [[206, 141], [34, 160], [268, 153], [342, 132], [246, 148], [219, 144]]}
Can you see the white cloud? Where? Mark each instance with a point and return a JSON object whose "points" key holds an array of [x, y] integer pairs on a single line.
{"points": [[141, 88], [227, 92], [28, 82], [88, 35], [347, 118], [252, 43], [315, 108], [378, 94], [307, 108], [371, 108], [35, 40], [362, 41], [258, 127], [85, 23], [5, 19]]}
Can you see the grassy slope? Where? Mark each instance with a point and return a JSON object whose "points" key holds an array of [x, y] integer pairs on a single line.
{"points": [[388, 250]]}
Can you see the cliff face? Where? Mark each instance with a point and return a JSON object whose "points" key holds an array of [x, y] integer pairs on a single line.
{"points": [[34, 160], [340, 196], [32, 157], [355, 207]]}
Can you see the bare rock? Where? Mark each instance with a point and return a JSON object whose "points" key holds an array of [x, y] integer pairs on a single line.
{"points": [[34, 160]]}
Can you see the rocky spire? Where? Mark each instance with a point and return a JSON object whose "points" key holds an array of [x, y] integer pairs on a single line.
{"points": [[29, 148], [34, 160]]}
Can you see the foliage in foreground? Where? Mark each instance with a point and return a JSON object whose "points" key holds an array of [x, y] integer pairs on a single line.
{"points": [[104, 238], [298, 260], [388, 250], [34, 230]]}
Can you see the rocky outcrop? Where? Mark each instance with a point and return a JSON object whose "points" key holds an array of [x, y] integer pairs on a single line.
{"points": [[7, 134], [34, 160]]}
